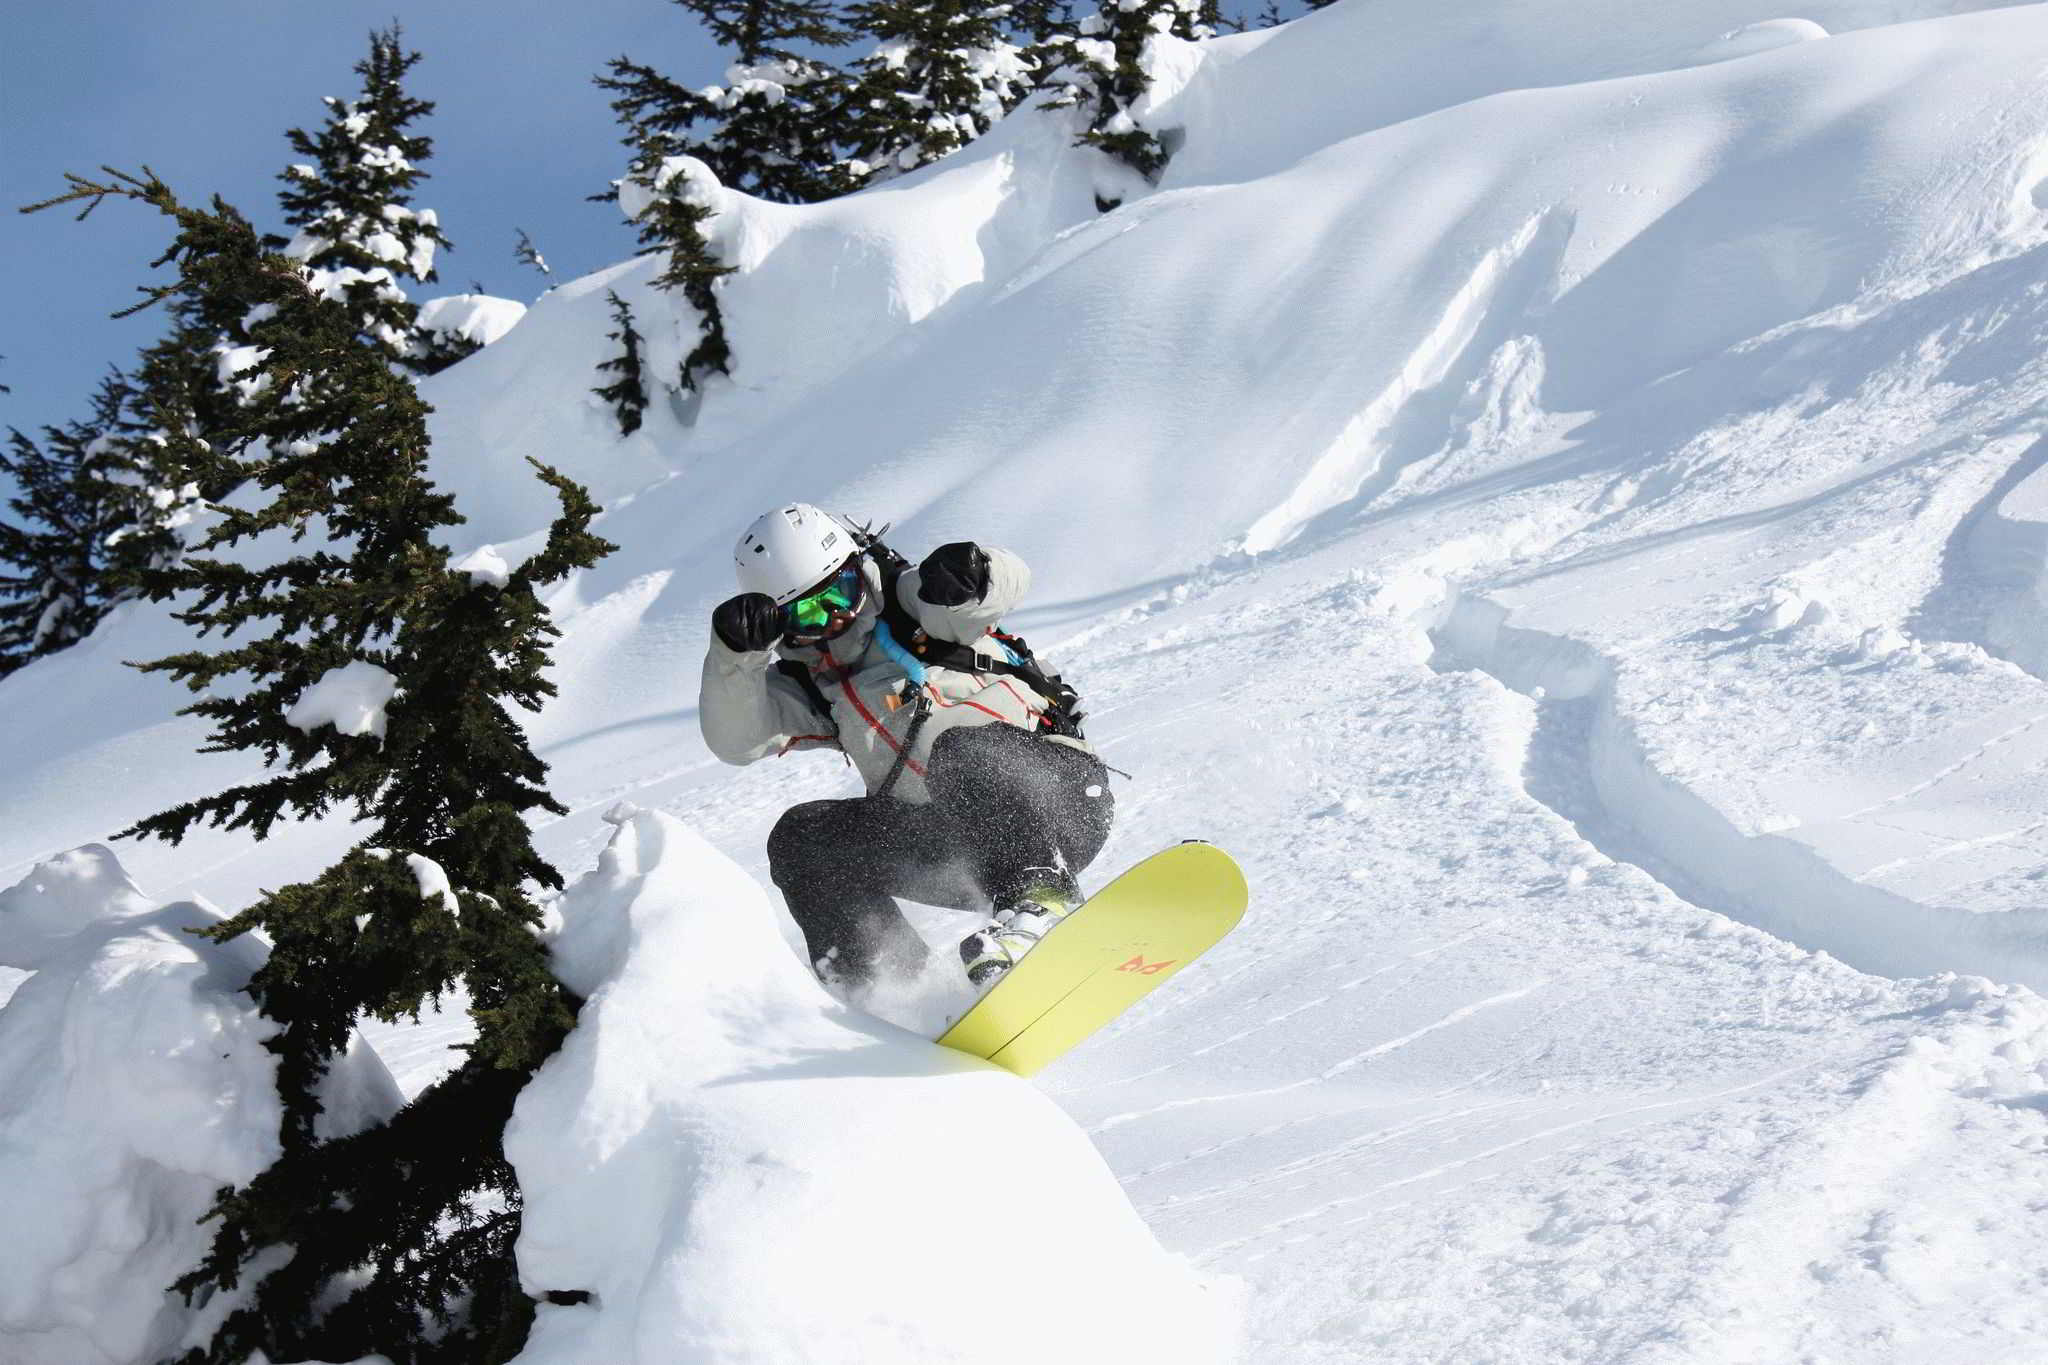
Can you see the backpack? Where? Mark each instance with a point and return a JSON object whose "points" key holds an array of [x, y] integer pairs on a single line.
{"points": [[1062, 714]]}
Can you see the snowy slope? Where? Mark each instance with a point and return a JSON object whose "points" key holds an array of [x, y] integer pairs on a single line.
{"points": [[738, 1168], [1556, 488]]}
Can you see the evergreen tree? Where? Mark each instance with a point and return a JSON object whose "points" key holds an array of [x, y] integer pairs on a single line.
{"points": [[944, 72], [628, 392], [772, 129], [395, 1241], [48, 572], [350, 201], [673, 204], [1104, 69], [94, 522]]}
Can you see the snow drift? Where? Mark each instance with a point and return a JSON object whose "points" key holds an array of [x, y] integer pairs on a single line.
{"points": [[133, 1085], [735, 1168]]}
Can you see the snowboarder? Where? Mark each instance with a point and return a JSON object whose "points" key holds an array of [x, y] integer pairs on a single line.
{"points": [[982, 794]]}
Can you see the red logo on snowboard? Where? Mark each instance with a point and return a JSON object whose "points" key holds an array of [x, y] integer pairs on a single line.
{"points": [[1139, 964]]}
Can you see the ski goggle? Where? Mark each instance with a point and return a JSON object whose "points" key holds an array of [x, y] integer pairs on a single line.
{"points": [[814, 612]]}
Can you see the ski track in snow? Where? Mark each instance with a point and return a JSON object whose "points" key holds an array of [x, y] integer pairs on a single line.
{"points": [[1320, 1213], [1600, 771], [1189, 1001], [1377, 1050], [1964, 764]]}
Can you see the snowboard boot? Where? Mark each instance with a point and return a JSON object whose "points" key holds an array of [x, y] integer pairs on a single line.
{"points": [[1019, 922]]}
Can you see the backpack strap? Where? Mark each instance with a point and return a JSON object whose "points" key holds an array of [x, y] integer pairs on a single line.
{"points": [[1062, 714]]}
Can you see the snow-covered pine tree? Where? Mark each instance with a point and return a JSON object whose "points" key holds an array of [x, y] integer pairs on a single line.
{"points": [[1105, 67], [673, 202], [350, 202], [943, 72], [48, 571], [627, 393], [773, 129], [395, 1241], [95, 519]]}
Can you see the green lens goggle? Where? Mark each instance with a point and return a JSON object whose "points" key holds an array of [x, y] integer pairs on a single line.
{"points": [[814, 611]]}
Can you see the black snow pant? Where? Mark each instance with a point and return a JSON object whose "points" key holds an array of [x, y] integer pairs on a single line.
{"points": [[1008, 809]]}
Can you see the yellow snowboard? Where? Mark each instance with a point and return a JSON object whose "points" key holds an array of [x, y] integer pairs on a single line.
{"points": [[1118, 946]]}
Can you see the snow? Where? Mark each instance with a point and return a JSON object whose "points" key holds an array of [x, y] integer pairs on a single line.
{"points": [[1560, 497], [433, 880], [420, 260], [336, 284], [484, 565], [698, 185], [133, 1084], [738, 1168], [384, 246], [351, 698], [1766, 36], [234, 365], [482, 318]]}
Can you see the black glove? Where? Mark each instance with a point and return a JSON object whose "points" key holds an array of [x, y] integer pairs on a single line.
{"points": [[748, 623], [953, 575]]}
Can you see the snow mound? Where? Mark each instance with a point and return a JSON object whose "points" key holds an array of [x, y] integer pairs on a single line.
{"points": [[1767, 36], [481, 318], [133, 1084], [735, 1167]]}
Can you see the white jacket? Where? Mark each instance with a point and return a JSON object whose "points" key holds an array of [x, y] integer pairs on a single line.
{"points": [[748, 710]]}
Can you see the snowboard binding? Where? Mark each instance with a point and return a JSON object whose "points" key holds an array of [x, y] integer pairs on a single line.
{"points": [[1015, 929]]}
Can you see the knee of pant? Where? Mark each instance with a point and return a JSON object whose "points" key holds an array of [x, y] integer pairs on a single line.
{"points": [[1093, 812], [796, 838], [969, 762], [950, 743]]}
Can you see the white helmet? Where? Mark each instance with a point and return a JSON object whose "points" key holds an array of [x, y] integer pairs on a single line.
{"points": [[791, 550]]}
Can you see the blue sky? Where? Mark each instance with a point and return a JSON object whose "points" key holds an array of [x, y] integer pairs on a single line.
{"points": [[203, 91]]}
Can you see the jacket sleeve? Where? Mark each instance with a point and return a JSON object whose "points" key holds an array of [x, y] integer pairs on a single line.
{"points": [[1009, 578], [748, 711]]}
